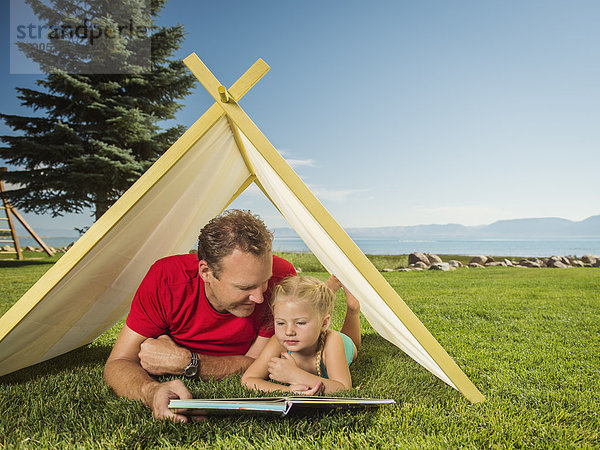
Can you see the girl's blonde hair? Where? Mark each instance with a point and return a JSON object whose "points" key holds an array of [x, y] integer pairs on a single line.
{"points": [[307, 289]]}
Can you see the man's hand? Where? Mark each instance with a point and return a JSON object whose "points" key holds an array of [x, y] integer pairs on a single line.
{"points": [[162, 356], [283, 369], [158, 396]]}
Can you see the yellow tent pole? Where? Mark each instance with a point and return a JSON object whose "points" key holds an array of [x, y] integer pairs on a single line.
{"points": [[337, 234]]}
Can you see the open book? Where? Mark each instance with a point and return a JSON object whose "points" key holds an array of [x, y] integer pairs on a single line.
{"points": [[280, 406]]}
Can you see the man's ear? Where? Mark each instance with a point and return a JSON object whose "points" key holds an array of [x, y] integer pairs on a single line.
{"points": [[204, 270], [326, 322]]}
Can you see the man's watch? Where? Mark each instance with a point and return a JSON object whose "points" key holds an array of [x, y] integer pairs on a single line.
{"points": [[192, 369]]}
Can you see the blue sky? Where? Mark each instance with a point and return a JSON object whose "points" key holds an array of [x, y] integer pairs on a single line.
{"points": [[407, 112]]}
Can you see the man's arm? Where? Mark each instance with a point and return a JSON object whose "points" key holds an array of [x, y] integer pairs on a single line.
{"points": [[124, 374], [162, 356]]}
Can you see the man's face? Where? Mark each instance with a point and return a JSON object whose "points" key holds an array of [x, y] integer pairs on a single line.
{"points": [[242, 281]]}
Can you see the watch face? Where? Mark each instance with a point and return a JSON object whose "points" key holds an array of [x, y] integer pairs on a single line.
{"points": [[190, 371]]}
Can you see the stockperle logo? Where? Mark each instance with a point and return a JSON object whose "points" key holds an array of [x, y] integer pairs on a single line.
{"points": [[107, 42], [86, 32]]}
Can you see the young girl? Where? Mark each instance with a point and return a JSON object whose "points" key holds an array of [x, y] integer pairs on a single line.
{"points": [[304, 353]]}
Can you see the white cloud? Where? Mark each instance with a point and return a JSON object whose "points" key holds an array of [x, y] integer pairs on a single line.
{"points": [[296, 162], [333, 195], [301, 162]]}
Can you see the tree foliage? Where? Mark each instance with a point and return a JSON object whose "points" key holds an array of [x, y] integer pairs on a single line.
{"points": [[93, 133]]}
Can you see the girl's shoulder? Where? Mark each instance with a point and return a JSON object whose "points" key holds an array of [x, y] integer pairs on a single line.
{"points": [[333, 339], [334, 358]]}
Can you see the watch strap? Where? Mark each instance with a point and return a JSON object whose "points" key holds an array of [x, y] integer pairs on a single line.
{"points": [[192, 368]]}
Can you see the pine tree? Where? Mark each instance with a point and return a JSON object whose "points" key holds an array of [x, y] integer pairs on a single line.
{"points": [[98, 132]]}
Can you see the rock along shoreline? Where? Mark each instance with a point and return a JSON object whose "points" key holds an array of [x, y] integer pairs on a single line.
{"points": [[428, 261]]}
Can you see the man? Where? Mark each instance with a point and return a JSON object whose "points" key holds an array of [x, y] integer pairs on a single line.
{"points": [[204, 316]]}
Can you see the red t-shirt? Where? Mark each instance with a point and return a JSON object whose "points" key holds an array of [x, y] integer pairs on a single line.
{"points": [[171, 300]]}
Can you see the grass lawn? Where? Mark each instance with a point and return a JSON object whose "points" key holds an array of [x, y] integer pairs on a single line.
{"points": [[528, 339]]}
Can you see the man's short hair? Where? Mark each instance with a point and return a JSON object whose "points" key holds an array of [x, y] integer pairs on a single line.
{"points": [[233, 229]]}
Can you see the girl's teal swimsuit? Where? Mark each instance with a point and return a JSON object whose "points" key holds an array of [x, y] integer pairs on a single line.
{"points": [[349, 349]]}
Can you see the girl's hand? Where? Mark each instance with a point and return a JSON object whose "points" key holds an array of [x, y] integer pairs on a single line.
{"points": [[302, 389], [283, 369]]}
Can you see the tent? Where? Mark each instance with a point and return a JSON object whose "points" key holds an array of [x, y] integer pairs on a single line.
{"points": [[90, 288]]}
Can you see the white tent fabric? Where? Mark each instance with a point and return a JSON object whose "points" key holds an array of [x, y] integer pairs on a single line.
{"points": [[379, 315]]}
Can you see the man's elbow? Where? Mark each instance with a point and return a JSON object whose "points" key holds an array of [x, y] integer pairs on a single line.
{"points": [[242, 366], [115, 369], [110, 370], [248, 360]]}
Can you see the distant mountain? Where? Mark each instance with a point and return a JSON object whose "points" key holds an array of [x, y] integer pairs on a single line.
{"points": [[589, 226], [550, 227], [516, 228]]}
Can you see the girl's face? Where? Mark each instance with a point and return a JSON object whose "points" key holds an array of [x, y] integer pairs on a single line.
{"points": [[297, 325]]}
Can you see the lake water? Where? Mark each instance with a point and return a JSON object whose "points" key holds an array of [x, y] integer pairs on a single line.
{"points": [[495, 247]]}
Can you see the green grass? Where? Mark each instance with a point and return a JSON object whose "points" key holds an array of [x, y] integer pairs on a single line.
{"points": [[527, 338]]}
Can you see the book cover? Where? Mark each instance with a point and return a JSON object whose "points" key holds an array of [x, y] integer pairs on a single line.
{"points": [[278, 406]]}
